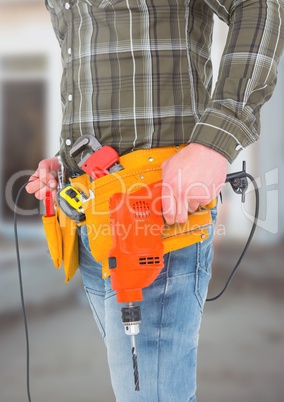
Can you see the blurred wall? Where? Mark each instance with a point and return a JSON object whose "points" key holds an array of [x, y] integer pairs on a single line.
{"points": [[30, 62], [264, 160], [30, 109]]}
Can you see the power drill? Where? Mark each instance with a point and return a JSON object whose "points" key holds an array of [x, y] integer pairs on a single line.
{"points": [[137, 257]]}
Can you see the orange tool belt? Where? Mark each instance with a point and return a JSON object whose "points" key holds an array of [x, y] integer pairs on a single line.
{"points": [[141, 167]]}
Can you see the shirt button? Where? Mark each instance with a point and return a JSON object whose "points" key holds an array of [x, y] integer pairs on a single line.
{"points": [[68, 141], [70, 97], [67, 6], [69, 51]]}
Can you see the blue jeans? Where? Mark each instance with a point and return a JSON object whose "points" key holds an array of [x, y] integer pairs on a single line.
{"points": [[171, 315]]}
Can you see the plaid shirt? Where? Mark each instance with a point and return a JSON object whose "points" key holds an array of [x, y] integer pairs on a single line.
{"points": [[137, 73]]}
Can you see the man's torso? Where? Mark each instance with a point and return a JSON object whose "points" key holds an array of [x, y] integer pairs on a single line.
{"points": [[136, 73]]}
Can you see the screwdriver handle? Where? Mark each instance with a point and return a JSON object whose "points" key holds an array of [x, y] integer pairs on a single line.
{"points": [[49, 206]]}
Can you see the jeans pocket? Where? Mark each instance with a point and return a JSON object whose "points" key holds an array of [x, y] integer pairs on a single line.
{"points": [[203, 271], [93, 300], [206, 248], [84, 237], [206, 254]]}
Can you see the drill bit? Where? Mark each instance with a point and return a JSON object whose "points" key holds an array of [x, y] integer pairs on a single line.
{"points": [[134, 362], [131, 318]]}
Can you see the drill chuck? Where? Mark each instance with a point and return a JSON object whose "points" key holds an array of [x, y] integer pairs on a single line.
{"points": [[131, 317]]}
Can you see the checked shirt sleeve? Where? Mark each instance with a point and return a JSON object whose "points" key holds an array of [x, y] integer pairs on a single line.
{"points": [[247, 74]]}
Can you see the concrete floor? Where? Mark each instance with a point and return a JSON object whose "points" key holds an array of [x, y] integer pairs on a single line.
{"points": [[241, 354]]}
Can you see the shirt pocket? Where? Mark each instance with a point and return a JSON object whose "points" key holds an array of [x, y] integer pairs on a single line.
{"points": [[56, 10], [103, 3], [54, 6], [48, 4]]}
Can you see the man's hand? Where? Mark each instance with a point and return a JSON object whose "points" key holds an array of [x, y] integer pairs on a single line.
{"points": [[44, 178], [192, 177]]}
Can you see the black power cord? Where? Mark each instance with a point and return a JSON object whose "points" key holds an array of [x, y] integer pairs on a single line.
{"points": [[21, 289], [239, 184]]}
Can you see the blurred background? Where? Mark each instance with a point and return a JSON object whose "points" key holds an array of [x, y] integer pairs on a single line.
{"points": [[241, 355]]}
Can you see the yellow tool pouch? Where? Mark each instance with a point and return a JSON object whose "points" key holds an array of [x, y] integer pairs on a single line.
{"points": [[62, 240], [141, 167]]}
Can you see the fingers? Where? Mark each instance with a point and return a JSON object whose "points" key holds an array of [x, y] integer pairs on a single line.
{"points": [[39, 185], [179, 202], [169, 204], [40, 193], [180, 197], [191, 178], [42, 180]]}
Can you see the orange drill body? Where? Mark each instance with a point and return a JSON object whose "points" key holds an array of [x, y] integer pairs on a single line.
{"points": [[136, 258]]}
